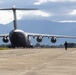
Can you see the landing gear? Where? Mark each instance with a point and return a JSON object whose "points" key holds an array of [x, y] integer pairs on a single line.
{"points": [[14, 47], [24, 47], [31, 46]]}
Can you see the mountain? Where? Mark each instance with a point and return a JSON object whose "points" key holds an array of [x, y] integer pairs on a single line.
{"points": [[44, 26]]}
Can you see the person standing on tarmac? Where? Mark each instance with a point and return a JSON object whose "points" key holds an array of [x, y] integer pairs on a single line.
{"points": [[65, 44]]}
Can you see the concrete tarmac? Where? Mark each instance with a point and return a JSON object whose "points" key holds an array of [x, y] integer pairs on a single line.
{"points": [[50, 61]]}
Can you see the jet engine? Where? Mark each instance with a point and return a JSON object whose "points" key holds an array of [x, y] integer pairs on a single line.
{"points": [[39, 39], [53, 39], [5, 39]]}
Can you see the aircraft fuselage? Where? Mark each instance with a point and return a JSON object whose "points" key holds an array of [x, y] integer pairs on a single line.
{"points": [[19, 38]]}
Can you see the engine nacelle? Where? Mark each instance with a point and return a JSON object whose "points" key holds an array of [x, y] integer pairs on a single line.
{"points": [[5, 40], [39, 39], [53, 39]]}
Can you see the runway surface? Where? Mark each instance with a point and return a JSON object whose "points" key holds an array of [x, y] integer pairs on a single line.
{"points": [[53, 61]]}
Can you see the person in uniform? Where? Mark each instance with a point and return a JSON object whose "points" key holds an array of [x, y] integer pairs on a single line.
{"points": [[65, 44]]}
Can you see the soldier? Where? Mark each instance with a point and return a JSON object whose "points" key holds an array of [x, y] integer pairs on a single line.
{"points": [[65, 44]]}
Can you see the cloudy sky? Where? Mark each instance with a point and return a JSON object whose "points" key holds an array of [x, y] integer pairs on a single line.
{"points": [[53, 10]]}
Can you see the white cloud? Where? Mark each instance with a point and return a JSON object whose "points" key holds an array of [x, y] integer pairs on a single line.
{"points": [[67, 21], [62, 0], [40, 2], [7, 16], [34, 13], [44, 1], [73, 12]]}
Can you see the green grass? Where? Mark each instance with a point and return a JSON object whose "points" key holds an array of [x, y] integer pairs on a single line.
{"points": [[4, 48]]}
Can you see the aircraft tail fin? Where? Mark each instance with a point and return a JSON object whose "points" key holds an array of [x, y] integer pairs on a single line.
{"points": [[14, 13]]}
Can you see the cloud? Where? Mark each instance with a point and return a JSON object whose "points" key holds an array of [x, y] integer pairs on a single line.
{"points": [[7, 16], [73, 12], [36, 13], [54, 10], [62, 11], [39, 2], [62, 0], [70, 21]]}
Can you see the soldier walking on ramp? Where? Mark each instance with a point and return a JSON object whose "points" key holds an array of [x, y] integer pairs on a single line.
{"points": [[65, 44]]}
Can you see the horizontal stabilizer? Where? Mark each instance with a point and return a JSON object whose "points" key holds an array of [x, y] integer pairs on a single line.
{"points": [[18, 8]]}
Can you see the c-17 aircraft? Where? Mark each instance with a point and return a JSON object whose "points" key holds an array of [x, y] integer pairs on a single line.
{"points": [[19, 38]]}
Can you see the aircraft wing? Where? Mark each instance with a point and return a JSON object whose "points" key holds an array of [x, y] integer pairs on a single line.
{"points": [[4, 35], [49, 35]]}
